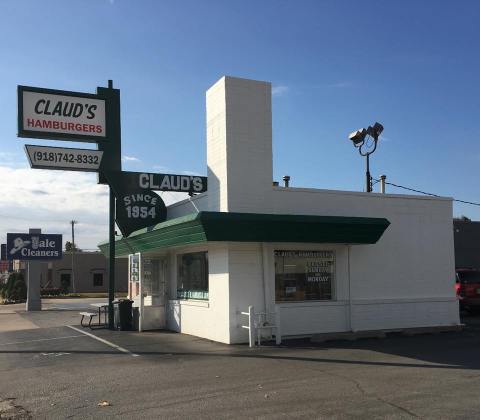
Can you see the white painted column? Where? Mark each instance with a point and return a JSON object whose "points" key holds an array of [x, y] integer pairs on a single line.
{"points": [[239, 145], [34, 269]]}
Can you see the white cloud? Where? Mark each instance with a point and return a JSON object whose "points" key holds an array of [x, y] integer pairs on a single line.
{"points": [[49, 200], [126, 158], [191, 173], [161, 169], [279, 90]]}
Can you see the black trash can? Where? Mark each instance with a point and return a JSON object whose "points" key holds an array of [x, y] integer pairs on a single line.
{"points": [[125, 312]]}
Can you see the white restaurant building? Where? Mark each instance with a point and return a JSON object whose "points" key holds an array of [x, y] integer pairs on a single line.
{"points": [[326, 261]]}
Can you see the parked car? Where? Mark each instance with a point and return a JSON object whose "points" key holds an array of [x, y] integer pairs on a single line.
{"points": [[468, 288]]}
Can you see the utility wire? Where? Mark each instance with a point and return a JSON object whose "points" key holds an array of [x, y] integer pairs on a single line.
{"points": [[427, 193]]}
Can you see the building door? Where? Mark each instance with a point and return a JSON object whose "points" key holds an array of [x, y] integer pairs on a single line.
{"points": [[152, 293]]}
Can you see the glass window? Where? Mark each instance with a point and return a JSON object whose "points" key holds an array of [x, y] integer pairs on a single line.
{"points": [[97, 279], [65, 281], [192, 276], [304, 275]]}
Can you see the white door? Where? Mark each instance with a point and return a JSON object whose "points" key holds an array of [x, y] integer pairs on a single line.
{"points": [[152, 293]]}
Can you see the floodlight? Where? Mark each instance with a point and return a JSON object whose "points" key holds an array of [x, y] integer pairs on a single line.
{"points": [[376, 130], [365, 148], [358, 136]]}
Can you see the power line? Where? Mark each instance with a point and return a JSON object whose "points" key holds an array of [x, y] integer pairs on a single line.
{"points": [[29, 219], [427, 193]]}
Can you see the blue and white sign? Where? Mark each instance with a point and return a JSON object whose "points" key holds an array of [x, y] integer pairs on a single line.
{"points": [[31, 246]]}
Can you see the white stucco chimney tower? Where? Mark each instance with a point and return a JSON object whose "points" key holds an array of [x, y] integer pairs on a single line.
{"points": [[239, 145]]}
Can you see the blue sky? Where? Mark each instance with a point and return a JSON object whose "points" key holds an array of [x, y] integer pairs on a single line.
{"points": [[335, 66]]}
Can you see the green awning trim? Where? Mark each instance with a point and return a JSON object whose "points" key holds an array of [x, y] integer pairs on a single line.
{"points": [[208, 226]]}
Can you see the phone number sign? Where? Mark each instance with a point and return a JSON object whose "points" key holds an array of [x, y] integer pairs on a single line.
{"points": [[45, 157], [60, 115]]}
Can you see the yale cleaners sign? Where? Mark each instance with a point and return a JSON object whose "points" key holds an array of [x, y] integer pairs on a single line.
{"points": [[29, 246], [56, 114], [46, 157]]}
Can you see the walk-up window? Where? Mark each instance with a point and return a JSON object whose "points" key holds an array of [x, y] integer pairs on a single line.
{"points": [[304, 275], [192, 276]]}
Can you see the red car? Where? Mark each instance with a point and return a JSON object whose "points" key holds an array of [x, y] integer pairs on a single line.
{"points": [[468, 288]]}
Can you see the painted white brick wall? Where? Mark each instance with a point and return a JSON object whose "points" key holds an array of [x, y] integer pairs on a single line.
{"points": [[239, 145], [207, 319], [405, 280]]}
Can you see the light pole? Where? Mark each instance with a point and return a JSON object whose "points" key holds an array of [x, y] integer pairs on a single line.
{"points": [[360, 138], [73, 223]]}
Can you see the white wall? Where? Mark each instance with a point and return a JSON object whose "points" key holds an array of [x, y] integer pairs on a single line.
{"points": [[413, 258], [207, 319], [405, 280], [239, 145]]}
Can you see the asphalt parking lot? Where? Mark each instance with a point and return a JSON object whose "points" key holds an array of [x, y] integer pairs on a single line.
{"points": [[56, 371]]}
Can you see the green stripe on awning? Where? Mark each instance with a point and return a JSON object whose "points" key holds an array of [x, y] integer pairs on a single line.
{"points": [[208, 226]]}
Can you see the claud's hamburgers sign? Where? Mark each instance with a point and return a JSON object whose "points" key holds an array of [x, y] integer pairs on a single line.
{"points": [[56, 114]]}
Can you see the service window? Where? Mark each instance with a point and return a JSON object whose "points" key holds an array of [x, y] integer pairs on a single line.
{"points": [[304, 275], [97, 279], [192, 276]]}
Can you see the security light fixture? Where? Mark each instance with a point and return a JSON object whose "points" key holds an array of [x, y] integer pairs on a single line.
{"points": [[358, 136], [360, 140]]}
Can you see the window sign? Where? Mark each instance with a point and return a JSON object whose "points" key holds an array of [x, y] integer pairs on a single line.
{"points": [[304, 275], [134, 268]]}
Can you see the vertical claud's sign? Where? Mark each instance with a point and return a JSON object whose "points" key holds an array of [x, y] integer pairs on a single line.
{"points": [[61, 115]]}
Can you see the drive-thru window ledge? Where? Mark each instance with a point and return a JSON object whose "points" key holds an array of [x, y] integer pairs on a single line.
{"points": [[190, 302]]}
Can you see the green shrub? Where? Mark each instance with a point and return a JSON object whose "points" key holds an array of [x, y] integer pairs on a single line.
{"points": [[15, 289]]}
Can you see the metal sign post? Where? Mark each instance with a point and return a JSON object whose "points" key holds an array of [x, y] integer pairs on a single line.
{"points": [[75, 116], [111, 162], [95, 118]]}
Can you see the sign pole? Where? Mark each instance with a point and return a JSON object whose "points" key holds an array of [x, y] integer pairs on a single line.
{"points": [[34, 300], [63, 115], [111, 261], [111, 162]]}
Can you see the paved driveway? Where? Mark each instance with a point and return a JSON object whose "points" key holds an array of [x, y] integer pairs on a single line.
{"points": [[59, 372]]}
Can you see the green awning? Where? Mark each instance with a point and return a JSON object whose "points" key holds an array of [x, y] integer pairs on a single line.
{"points": [[207, 226]]}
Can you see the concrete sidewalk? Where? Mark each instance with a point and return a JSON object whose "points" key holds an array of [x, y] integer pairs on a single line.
{"points": [[54, 313], [11, 320]]}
